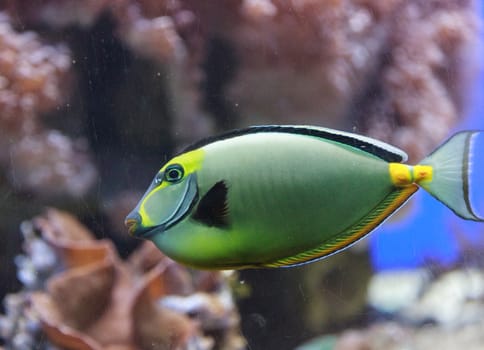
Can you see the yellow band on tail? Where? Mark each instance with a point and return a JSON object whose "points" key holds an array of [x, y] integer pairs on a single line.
{"points": [[404, 175], [401, 174], [422, 173]]}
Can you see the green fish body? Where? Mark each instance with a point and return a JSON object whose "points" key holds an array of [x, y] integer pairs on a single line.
{"points": [[274, 196]]}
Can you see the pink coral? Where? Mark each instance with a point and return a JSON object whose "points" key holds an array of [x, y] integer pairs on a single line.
{"points": [[32, 72], [378, 65], [34, 80], [422, 81], [306, 60], [51, 164], [83, 13]]}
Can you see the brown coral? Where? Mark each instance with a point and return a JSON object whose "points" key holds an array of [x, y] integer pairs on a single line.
{"points": [[98, 301]]}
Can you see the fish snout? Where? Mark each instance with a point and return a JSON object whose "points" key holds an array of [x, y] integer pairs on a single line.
{"points": [[132, 222]]}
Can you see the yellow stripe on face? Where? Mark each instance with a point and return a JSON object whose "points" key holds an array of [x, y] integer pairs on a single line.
{"points": [[191, 162]]}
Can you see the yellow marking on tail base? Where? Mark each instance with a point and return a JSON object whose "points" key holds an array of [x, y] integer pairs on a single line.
{"points": [[422, 173], [401, 174]]}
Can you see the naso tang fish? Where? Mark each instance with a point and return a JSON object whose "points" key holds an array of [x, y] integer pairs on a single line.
{"points": [[271, 196]]}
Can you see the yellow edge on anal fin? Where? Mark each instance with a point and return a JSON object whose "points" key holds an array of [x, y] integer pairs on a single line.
{"points": [[386, 207]]}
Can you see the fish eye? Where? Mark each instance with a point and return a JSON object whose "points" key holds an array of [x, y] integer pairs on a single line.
{"points": [[174, 173]]}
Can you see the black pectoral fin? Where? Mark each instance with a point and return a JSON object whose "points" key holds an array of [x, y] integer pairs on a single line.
{"points": [[212, 210]]}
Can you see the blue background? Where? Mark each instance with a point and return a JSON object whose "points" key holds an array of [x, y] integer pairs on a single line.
{"points": [[428, 231]]}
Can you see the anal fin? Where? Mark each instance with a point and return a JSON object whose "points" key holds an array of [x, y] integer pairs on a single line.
{"points": [[343, 240]]}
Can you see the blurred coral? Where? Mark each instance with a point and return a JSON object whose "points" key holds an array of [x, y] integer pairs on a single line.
{"points": [[414, 309], [415, 296], [91, 299], [50, 163], [395, 68], [168, 32], [420, 92], [392, 336], [164, 31], [34, 80], [59, 13], [306, 60]]}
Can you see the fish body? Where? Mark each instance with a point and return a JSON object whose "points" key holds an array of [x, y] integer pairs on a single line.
{"points": [[274, 196]]}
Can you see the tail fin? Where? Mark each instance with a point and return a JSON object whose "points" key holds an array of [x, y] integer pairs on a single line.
{"points": [[451, 175]]}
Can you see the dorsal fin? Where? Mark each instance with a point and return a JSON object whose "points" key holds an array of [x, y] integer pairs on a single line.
{"points": [[366, 144]]}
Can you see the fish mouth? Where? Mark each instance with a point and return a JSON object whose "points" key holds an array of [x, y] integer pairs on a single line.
{"points": [[164, 216], [146, 233], [132, 224], [135, 229]]}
